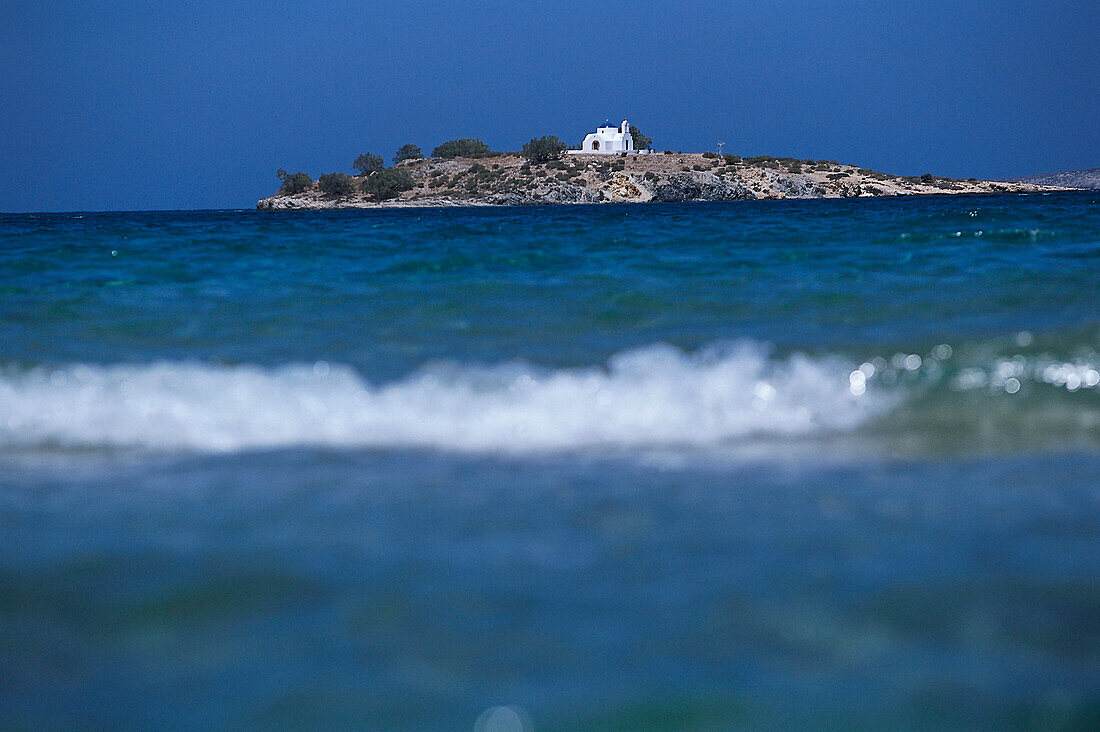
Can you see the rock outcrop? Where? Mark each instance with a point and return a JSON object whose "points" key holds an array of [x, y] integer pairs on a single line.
{"points": [[699, 187], [567, 193]]}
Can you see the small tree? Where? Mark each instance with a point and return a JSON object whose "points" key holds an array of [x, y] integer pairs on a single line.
{"points": [[294, 182], [368, 163], [543, 149], [465, 148], [641, 142], [336, 184], [407, 152], [387, 183]]}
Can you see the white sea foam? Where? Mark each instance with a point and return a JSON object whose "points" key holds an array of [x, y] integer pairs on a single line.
{"points": [[652, 396]]}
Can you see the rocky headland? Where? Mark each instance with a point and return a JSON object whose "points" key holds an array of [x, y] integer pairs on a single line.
{"points": [[1088, 179], [513, 180]]}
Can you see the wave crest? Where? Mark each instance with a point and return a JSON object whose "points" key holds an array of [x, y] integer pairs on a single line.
{"points": [[656, 395]]}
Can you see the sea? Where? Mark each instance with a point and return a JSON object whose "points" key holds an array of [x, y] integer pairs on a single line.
{"points": [[821, 464]]}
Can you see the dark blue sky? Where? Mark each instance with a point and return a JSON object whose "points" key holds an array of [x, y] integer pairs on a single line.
{"points": [[136, 105]]}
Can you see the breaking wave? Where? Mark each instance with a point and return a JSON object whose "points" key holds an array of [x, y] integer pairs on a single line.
{"points": [[656, 395]]}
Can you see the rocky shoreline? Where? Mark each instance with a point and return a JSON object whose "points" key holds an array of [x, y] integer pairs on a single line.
{"points": [[510, 180]]}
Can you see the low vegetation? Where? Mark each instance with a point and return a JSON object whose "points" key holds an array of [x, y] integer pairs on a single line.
{"points": [[368, 163], [407, 152], [641, 142], [294, 182], [387, 183], [465, 148], [544, 149], [336, 184]]}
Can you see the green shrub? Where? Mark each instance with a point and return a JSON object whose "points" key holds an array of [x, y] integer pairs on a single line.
{"points": [[873, 174], [368, 163], [699, 167], [543, 149], [667, 152], [336, 184], [641, 142], [465, 148], [731, 159], [406, 152], [794, 167], [294, 182], [927, 178], [709, 155], [387, 183]]}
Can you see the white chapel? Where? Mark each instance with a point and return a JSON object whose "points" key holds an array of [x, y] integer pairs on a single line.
{"points": [[608, 140]]}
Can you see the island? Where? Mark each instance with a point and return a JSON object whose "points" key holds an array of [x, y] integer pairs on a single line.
{"points": [[466, 173]]}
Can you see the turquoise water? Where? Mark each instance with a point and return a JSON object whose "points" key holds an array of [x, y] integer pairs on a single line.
{"points": [[754, 464]]}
